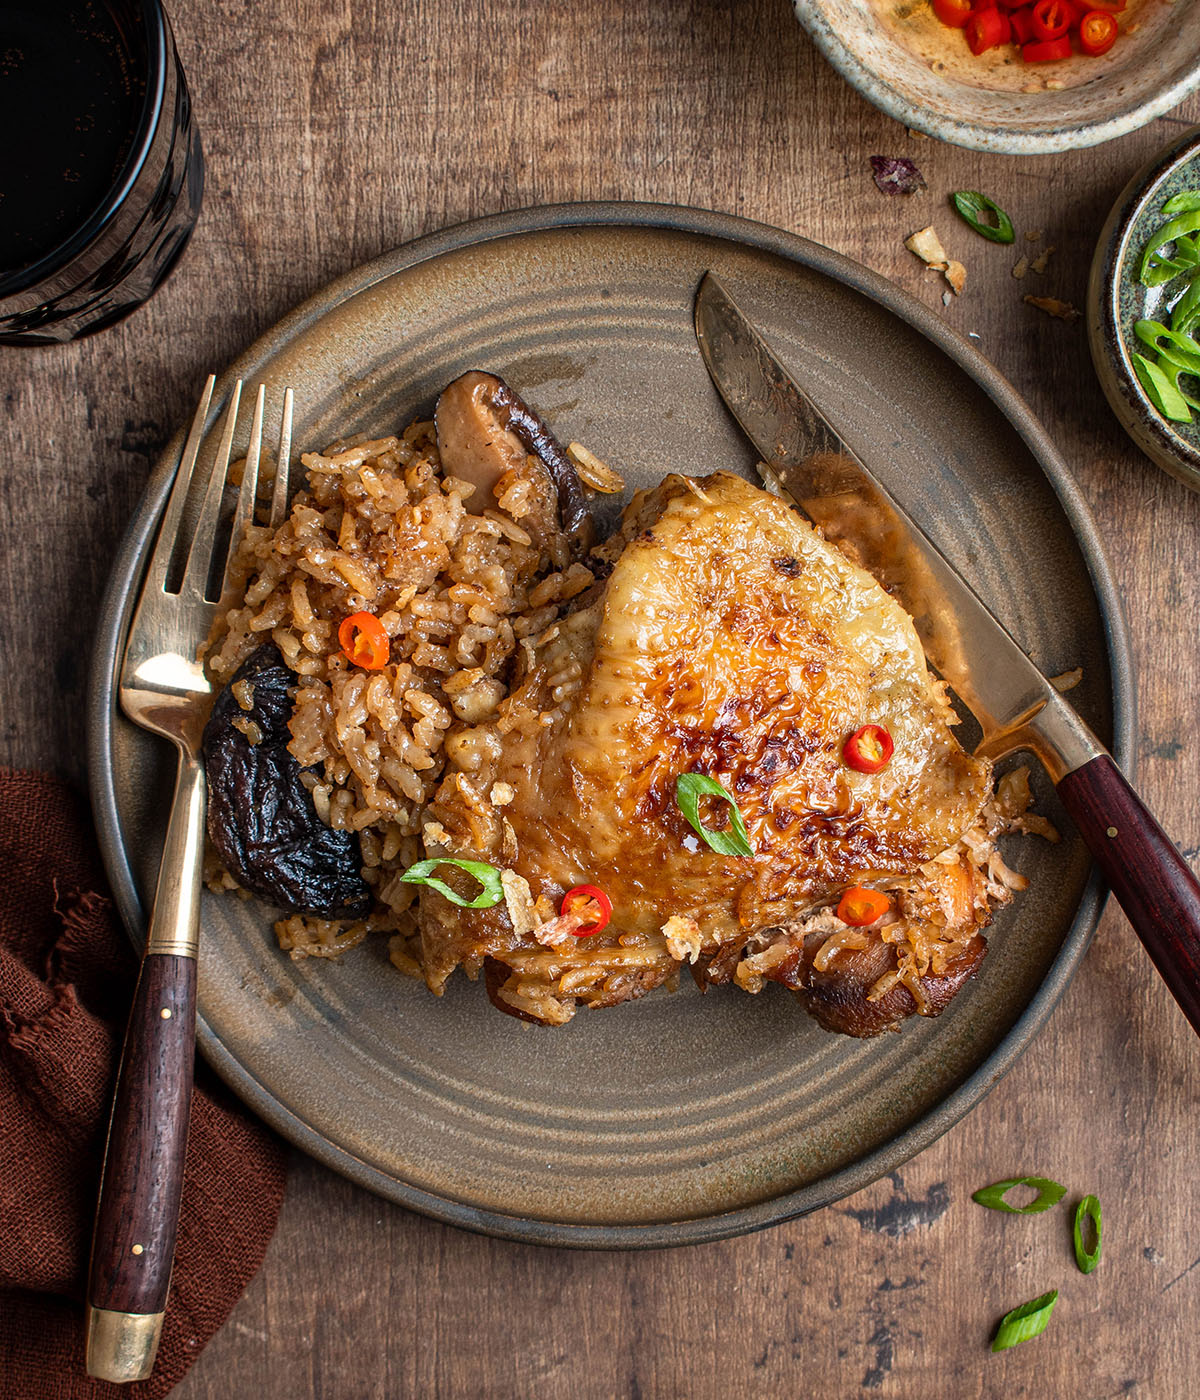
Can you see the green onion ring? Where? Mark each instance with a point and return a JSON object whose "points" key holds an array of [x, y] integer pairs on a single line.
{"points": [[1174, 374], [1162, 391], [1186, 311], [1182, 203], [1049, 1193], [1153, 265], [689, 788], [979, 211], [1178, 348], [1025, 1322], [1087, 1209], [488, 876]]}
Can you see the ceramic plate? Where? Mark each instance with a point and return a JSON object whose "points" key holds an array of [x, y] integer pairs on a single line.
{"points": [[677, 1118]]}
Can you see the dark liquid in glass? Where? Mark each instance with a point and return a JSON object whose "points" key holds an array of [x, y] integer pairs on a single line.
{"points": [[71, 97]]}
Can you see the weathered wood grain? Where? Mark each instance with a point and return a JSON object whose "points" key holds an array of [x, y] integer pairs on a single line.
{"points": [[337, 129]]}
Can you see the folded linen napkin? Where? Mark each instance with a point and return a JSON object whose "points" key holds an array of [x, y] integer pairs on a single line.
{"points": [[66, 981]]}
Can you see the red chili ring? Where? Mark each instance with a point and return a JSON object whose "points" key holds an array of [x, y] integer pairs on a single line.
{"points": [[588, 892], [868, 749]]}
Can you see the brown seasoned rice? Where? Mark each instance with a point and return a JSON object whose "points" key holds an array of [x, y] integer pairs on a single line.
{"points": [[378, 528]]}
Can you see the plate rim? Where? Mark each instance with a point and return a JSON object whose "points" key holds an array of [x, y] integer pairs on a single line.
{"points": [[116, 605]]}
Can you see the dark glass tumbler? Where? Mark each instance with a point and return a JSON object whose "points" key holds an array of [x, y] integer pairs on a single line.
{"points": [[101, 198]]}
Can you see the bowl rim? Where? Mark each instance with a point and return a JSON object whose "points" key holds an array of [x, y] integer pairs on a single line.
{"points": [[1001, 140], [1106, 338]]}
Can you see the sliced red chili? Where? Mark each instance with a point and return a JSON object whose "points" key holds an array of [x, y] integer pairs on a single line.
{"points": [[1047, 51], [985, 29], [868, 749], [586, 892], [859, 907], [1051, 19], [1097, 32], [1022, 24], [362, 638], [953, 13]]}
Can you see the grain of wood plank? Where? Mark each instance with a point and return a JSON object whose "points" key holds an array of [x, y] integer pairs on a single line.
{"points": [[336, 129]]}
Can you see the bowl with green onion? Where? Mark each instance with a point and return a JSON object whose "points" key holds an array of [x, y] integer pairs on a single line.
{"points": [[1143, 309]]}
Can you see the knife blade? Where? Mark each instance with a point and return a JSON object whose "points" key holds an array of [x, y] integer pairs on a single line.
{"points": [[806, 460]]}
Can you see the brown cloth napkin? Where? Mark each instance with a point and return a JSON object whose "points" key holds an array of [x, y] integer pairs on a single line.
{"points": [[66, 981]]}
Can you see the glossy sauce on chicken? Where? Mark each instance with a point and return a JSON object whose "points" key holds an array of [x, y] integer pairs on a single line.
{"points": [[729, 639]]}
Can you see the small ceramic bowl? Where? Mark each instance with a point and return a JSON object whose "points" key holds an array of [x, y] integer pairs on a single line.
{"points": [[1116, 300], [902, 58]]}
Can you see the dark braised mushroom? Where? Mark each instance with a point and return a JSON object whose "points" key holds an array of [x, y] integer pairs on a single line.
{"points": [[261, 817], [840, 998], [487, 433]]}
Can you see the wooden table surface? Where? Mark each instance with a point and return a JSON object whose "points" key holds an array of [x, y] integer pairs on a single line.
{"points": [[336, 129]]}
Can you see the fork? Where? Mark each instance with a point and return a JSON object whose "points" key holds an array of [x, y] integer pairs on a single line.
{"points": [[164, 689]]}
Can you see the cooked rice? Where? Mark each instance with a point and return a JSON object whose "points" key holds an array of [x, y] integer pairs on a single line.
{"points": [[379, 529]]}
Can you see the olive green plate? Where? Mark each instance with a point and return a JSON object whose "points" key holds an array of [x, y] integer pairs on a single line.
{"points": [[677, 1118]]}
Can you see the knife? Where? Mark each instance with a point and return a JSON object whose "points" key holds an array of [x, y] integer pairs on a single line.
{"points": [[805, 459]]}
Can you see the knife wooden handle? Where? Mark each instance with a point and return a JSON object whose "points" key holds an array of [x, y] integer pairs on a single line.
{"points": [[1153, 883], [142, 1180]]}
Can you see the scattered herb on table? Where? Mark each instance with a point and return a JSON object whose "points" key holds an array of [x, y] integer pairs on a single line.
{"points": [[1087, 1209], [1049, 1193], [984, 215], [1025, 1322], [896, 175]]}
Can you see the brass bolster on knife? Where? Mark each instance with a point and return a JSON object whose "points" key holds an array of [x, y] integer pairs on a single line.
{"points": [[122, 1346]]}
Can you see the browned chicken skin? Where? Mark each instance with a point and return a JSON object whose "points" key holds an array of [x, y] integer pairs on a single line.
{"points": [[730, 639]]}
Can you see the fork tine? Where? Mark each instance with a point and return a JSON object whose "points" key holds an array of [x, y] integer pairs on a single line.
{"points": [[164, 547], [243, 515], [195, 578], [279, 496]]}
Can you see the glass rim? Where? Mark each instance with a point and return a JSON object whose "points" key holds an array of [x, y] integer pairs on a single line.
{"points": [[155, 20]]}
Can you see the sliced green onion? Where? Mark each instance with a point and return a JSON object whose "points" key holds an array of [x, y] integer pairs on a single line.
{"points": [[1174, 374], [1087, 1209], [1170, 344], [1162, 392], [984, 215], [1156, 267], [1186, 311], [689, 788], [1182, 203], [1029, 1320], [1049, 1193], [487, 875]]}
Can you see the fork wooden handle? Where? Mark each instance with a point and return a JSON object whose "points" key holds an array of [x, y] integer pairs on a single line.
{"points": [[1154, 884], [136, 1220]]}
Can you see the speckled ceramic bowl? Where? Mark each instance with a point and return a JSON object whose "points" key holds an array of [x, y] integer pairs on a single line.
{"points": [[1116, 300], [897, 54]]}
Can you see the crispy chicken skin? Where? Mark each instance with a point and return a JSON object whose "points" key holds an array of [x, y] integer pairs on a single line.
{"points": [[729, 639]]}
